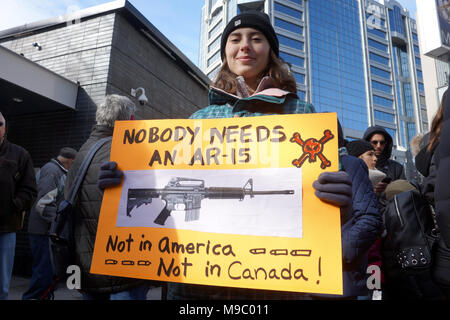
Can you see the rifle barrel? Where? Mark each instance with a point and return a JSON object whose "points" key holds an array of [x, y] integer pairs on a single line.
{"points": [[272, 192], [239, 193]]}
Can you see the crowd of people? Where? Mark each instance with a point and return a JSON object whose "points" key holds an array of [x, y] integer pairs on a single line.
{"points": [[253, 81]]}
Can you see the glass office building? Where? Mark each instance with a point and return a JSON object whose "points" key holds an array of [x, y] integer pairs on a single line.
{"points": [[359, 58]]}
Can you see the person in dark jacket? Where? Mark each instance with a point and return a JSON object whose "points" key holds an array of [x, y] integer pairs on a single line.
{"points": [[442, 201], [383, 144], [17, 193], [51, 179], [427, 157], [362, 226], [87, 207]]}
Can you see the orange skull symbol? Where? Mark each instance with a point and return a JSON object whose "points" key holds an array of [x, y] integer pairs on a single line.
{"points": [[312, 148]]}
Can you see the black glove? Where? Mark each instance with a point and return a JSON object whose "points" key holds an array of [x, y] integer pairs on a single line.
{"points": [[109, 175], [335, 188]]}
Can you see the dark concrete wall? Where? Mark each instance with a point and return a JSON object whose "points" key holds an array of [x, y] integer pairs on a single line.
{"points": [[136, 61], [105, 54], [81, 53]]}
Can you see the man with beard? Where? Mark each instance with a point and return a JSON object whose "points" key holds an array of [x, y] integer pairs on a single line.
{"points": [[382, 142]]}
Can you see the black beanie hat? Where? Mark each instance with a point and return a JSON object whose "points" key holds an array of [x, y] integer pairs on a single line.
{"points": [[358, 147], [251, 19]]}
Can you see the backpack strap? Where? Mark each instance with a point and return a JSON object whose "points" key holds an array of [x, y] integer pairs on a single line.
{"points": [[84, 167]]}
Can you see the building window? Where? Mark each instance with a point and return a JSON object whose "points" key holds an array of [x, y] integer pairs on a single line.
{"points": [[214, 44], [402, 135], [299, 78], [401, 62], [392, 132], [381, 86], [288, 26], [377, 45], [216, 15], [377, 58], [215, 30], [380, 72], [411, 128], [408, 98], [419, 74], [382, 101], [384, 116], [212, 75], [418, 62], [289, 42], [416, 49], [337, 67], [396, 20], [301, 95], [377, 32], [421, 87], [298, 61], [289, 11], [213, 59]]}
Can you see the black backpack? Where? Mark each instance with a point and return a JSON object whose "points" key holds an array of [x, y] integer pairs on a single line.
{"points": [[61, 229], [412, 232]]}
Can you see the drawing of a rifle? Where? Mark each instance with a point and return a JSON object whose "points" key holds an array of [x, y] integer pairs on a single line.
{"points": [[186, 194]]}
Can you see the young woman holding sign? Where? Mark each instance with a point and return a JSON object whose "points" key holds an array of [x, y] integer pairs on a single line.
{"points": [[253, 81]]}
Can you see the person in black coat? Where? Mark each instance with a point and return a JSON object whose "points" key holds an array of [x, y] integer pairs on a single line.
{"points": [[442, 201], [87, 207], [383, 143], [17, 194]]}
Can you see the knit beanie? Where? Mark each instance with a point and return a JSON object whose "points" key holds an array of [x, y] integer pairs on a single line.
{"points": [[358, 147], [251, 19]]}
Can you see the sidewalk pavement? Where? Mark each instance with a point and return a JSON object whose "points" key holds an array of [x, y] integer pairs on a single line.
{"points": [[20, 284]]}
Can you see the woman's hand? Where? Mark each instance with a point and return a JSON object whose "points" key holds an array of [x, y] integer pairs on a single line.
{"points": [[109, 175], [335, 188]]}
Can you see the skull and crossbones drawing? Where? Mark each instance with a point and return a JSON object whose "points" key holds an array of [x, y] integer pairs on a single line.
{"points": [[312, 149]]}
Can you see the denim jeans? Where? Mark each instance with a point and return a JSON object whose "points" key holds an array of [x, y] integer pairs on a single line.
{"points": [[7, 250], [137, 293], [42, 277]]}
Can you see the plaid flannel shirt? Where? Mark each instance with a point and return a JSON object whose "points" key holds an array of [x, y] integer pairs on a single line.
{"points": [[223, 105]]}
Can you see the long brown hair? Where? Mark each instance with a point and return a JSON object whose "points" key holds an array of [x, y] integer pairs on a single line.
{"points": [[277, 69], [436, 125]]}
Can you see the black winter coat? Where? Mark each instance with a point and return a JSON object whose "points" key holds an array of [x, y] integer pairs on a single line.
{"points": [[442, 204], [87, 211], [442, 188], [392, 168], [17, 185]]}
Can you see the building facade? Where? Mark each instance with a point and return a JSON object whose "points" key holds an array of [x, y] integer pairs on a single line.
{"points": [[433, 18], [359, 58], [54, 73]]}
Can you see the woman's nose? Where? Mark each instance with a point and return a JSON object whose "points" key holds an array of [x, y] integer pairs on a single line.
{"points": [[245, 45]]}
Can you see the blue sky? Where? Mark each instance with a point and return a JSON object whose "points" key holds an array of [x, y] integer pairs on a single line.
{"points": [[178, 20]]}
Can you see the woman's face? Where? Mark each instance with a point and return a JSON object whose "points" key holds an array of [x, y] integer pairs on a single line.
{"points": [[369, 158], [247, 53]]}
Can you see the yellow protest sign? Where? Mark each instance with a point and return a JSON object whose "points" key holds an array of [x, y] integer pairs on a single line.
{"points": [[225, 202]]}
